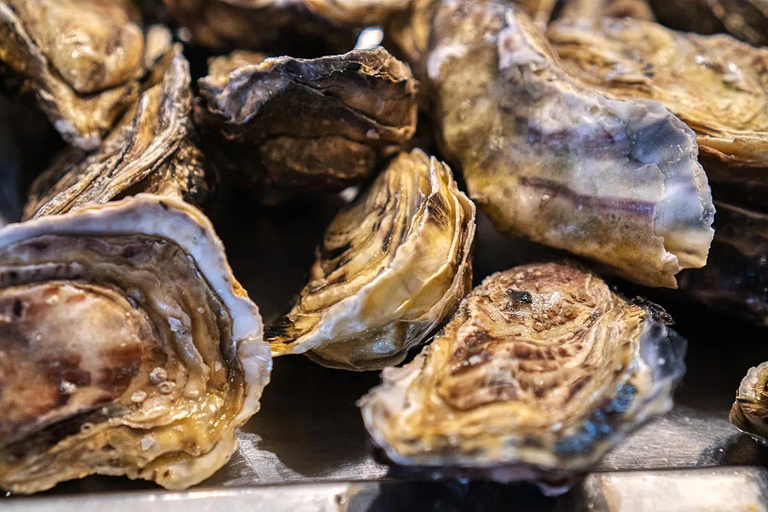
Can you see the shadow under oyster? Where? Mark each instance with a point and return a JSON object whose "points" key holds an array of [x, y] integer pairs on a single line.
{"points": [[152, 149], [553, 159], [541, 371], [129, 348], [301, 124], [81, 58], [391, 267]]}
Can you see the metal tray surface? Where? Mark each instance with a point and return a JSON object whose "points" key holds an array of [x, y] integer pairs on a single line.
{"points": [[307, 448]]}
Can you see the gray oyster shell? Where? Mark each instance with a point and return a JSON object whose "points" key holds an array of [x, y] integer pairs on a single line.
{"points": [[750, 410], [553, 159], [541, 371]]}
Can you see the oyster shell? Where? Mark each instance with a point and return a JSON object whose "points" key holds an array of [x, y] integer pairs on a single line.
{"points": [[299, 124], [274, 24], [749, 411], [736, 276], [745, 19], [129, 348], [390, 269], [715, 84], [152, 149], [81, 58], [552, 158], [541, 371]]}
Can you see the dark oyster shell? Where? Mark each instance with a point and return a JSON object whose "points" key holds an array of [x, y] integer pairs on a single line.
{"points": [[736, 276], [541, 371], [278, 25], [554, 159], [152, 149], [322, 123], [745, 19], [390, 269], [81, 58], [128, 347]]}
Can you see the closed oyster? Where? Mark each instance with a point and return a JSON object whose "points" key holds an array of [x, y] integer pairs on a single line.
{"points": [[129, 348], [554, 159], [745, 19], [298, 124], [736, 276], [715, 84], [541, 371], [81, 58], [152, 149], [750, 410], [390, 269], [274, 24]]}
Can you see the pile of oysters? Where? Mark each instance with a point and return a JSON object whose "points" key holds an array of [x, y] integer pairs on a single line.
{"points": [[630, 134]]}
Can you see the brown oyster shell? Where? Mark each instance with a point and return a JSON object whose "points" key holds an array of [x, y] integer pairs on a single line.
{"points": [[542, 370], [744, 19], [129, 348], [554, 159], [291, 124], [81, 58], [736, 276], [391, 267], [750, 410], [152, 149]]}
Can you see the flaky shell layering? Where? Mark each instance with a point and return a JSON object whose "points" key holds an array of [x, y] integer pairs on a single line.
{"points": [[552, 158], [81, 58], [310, 123], [127, 347], [152, 149], [750, 410], [390, 269], [541, 371]]}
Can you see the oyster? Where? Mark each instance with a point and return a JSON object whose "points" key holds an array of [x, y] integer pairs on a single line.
{"points": [[152, 149], [273, 24], [128, 347], [297, 124], [552, 158], [750, 410], [715, 84], [744, 19], [736, 276], [541, 371], [390, 269], [81, 58]]}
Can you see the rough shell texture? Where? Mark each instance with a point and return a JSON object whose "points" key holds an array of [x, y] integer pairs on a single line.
{"points": [[541, 371], [736, 276], [273, 24], [297, 124], [550, 157], [81, 58], [390, 269], [129, 347], [715, 84], [152, 149], [750, 410], [745, 19]]}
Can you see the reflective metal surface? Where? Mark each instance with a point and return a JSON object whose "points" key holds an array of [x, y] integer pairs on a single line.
{"points": [[307, 449]]}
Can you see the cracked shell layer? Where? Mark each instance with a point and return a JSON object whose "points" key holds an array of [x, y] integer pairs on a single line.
{"points": [[744, 19], [541, 371], [390, 269], [301, 124], [81, 58], [750, 410], [152, 149], [129, 347], [273, 24], [551, 158]]}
